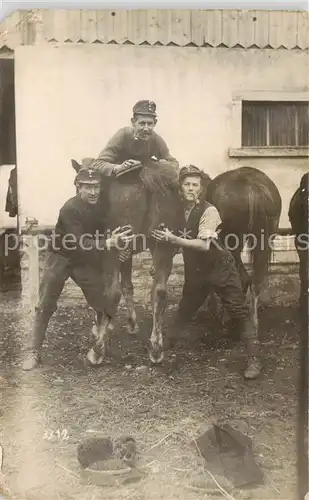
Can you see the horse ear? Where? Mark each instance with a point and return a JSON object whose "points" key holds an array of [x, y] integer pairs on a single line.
{"points": [[75, 165]]}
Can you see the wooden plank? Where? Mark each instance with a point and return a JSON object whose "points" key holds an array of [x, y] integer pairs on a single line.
{"points": [[230, 28], [58, 25], [105, 31], [163, 18], [88, 25], [180, 27], [73, 21], [47, 18], [275, 29], [198, 27], [119, 23], [137, 26], [261, 28], [288, 33], [246, 28], [157, 26], [151, 34], [303, 30], [30, 271], [213, 27]]}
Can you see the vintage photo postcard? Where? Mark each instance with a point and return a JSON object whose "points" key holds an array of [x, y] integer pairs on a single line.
{"points": [[154, 254]]}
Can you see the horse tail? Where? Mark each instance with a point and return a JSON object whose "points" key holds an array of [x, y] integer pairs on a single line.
{"points": [[262, 227]]}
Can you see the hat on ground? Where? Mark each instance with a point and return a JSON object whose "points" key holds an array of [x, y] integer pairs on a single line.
{"points": [[88, 176], [190, 170], [145, 108]]}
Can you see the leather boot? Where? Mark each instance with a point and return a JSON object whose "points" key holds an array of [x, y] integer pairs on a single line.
{"points": [[254, 367]]}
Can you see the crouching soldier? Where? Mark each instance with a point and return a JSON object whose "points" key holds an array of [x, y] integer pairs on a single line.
{"points": [[209, 266], [75, 251]]}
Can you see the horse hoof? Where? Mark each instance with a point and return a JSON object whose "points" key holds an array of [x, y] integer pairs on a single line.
{"points": [[94, 359], [156, 355]]}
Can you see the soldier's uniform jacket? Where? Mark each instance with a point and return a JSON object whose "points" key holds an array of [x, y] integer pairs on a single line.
{"points": [[203, 221], [85, 222], [124, 146]]}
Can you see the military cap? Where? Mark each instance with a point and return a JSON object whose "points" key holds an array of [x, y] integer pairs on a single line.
{"points": [[145, 108], [190, 170], [88, 176]]}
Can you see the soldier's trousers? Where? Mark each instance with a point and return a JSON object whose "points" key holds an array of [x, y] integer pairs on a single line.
{"points": [[56, 272], [223, 278]]}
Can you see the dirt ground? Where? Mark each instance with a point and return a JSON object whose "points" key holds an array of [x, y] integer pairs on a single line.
{"points": [[46, 413]]}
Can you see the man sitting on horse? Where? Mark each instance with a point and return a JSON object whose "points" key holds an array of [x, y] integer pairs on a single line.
{"points": [[133, 146], [209, 266], [80, 219]]}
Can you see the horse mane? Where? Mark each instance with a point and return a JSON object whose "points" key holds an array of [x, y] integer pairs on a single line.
{"points": [[159, 179]]}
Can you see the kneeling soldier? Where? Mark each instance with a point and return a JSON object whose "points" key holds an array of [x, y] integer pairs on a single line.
{"points": [[81, 220], [209, 266]]}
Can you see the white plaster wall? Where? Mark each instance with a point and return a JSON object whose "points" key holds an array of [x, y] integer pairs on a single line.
{"points": [[70, 99]]}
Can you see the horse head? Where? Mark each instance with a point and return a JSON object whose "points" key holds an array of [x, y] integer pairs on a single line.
{"points": [[85, 163]]}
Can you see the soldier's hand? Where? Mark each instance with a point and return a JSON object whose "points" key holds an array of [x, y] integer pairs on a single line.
{"points": [[120, 237], [131, 163], [127, 164], [166, 235]]}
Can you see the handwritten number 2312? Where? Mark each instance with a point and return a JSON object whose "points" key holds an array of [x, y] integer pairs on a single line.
{"points": [[58, 434]]}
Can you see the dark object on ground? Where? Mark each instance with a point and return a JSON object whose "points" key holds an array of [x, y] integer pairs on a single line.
{"points": [[125, 450], [228, 453], [107, 462], [94, 450]]}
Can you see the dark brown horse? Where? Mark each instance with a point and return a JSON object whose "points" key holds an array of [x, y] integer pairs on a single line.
{"points": [[249, 203], [143, 199]]}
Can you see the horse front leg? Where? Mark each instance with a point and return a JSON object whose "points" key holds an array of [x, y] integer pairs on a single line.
{"points": [[163, 262], [104, 327], [127, 292]]}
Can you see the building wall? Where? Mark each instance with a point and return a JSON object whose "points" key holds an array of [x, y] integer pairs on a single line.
{"points": [[71, 98]]}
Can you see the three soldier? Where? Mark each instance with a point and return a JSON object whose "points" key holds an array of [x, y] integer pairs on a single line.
{"points": [[208, 265]]}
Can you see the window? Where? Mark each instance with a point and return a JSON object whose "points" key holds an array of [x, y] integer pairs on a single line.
{"points": [[275, 124], [270, 123]]}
